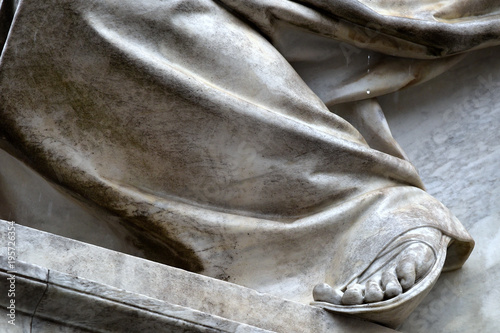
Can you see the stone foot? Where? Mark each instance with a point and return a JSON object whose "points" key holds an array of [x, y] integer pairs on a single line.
{"points": [[386, 279]]}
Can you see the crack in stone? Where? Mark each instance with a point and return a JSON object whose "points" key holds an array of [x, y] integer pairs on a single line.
{"points": [[39, 301]]}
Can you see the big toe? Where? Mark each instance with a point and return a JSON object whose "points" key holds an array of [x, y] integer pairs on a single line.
{"points": [[414, 264], [424, 261], [406, 273]]}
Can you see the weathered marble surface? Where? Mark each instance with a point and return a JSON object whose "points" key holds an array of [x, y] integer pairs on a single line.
{"points": [[27, 197], [160, 294], [97, 307], [265, 187], [25, 323], [450, 130]]}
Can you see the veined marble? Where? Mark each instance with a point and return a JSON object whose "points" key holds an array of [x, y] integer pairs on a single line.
{"points": [[450, 128], [80, 286], [238, 139]]}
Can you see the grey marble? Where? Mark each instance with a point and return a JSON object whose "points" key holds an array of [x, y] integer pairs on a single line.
{"points": [[251, 153], [76, 302], [27, 324], [28, 197], [450, 130], [112, 291], [28, 287]]}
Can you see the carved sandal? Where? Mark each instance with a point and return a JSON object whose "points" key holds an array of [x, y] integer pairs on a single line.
{"points": [[392, 312]]}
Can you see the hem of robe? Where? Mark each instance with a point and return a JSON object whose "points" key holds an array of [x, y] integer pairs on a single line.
{"points": [[236, 247]]}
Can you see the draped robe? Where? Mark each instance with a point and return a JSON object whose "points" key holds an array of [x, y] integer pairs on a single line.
{"points": [[242, 138]]}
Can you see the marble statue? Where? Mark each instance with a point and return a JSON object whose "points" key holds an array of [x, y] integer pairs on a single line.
{"points": [[243, 139]]}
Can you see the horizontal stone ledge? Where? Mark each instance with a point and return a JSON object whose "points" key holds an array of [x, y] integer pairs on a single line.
{"points": [[99, 290], [77, 302]]}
